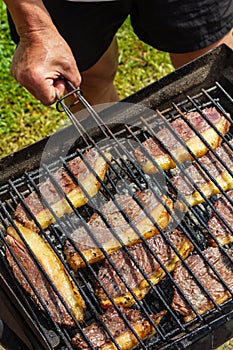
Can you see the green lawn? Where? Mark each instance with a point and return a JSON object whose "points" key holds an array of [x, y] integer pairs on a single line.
{"points": [[24, 120]]}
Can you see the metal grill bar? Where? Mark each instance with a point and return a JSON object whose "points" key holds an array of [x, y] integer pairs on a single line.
{"points": [[199, 251], [174, 248], [134, 172], [190, 125], [198, 161], [40, 268], [106, 256]]}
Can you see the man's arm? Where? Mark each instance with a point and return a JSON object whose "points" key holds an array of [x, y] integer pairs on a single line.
{"points": [[42, 57]]}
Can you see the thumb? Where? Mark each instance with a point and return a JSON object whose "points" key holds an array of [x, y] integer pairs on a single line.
{"points": [[60, 87]]}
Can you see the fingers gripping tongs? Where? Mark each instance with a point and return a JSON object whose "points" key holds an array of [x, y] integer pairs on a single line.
{"points": [[63, 107]]}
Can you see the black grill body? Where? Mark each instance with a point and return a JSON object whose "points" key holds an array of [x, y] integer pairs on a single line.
{"points": [[207, 81]]}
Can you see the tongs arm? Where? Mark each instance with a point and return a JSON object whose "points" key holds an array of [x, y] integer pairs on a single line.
{"points": [[77, 92]]}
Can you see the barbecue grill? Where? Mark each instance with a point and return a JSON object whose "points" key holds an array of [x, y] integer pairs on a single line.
{"points": [[205, 82]]}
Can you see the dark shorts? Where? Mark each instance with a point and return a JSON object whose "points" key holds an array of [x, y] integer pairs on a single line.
{"points": [[174, 26]]}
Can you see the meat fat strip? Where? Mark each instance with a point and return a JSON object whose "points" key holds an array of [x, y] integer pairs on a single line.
{"points": [[192, 140], [74, 193], [218, 227], [123, 336], [201, 178], [196, 296], [127, 234], [128, 271], [54, 269]]}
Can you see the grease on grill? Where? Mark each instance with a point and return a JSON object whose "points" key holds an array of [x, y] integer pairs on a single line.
{"points": [[125, 178]]}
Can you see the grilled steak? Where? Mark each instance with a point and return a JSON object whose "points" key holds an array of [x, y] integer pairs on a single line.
{"points": [[183, 131], [196, 296], [55, 307], [58, 203], [217, 227], [123, 336], [104, 236], [132, 276], [201, 178], [54, 270]]}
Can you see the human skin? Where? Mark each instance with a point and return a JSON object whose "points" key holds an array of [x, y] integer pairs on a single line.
{"points": [[40, 42], [43, 58]]}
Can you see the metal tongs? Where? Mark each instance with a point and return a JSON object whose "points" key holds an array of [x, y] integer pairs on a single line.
{"points": [[62, 107]]}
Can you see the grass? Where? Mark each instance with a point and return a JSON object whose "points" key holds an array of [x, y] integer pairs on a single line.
{"points": [[139, 64], [25, 120]]}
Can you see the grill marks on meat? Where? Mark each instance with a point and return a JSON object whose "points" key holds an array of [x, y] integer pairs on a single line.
{"points": [[183, 131], [92, 250], [196, 296], [49, 193], [121, 226], [56, 308], [201, 178], [119, 330], [217, 226], [53, 268], [132, 276]]}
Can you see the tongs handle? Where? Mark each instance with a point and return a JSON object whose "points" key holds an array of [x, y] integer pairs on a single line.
{"points": [[77, 92]]}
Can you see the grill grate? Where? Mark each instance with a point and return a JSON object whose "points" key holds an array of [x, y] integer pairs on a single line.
{"points": [[126, 176]]}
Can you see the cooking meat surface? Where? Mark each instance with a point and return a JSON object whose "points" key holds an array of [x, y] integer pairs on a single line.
{"points": [[104, 235], [55, 199], [52, 266], [38, 281], [218, 227], [118, 328], [201, 178], [171, 143], [115, 218], [129, 272], [196, 296]]}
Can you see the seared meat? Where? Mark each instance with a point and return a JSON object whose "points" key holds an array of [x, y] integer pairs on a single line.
{"points": [[133, 278], [37, 279], [56, 200], [181, 128], [201, 178], [54, 270], [104, 236], [123, 336], [217, 226], [196, 296]]}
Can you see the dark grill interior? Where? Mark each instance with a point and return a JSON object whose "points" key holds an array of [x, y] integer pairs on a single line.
{"points": [[125, 176]]}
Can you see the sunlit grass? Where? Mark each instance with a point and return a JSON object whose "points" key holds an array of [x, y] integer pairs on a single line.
{"points": [[25, 120]]}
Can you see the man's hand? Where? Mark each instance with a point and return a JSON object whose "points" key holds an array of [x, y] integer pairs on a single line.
{"points": [[41, 61]]}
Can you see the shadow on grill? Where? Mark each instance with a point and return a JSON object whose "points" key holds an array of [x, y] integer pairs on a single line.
{"points": [[127, 241]]}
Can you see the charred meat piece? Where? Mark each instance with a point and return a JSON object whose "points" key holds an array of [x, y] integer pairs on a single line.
{"points": [[217, 226], [119, 330], [132, 276], [201, 178], [85, 177], [127, 234], [191, 138], [54, 270], [194, 293]]}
